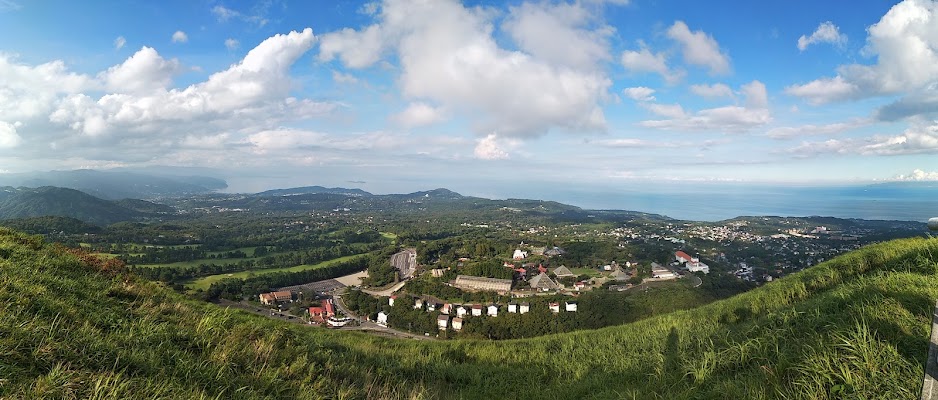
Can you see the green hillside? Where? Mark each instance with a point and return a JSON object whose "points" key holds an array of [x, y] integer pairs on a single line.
{"points": [[853, 327], [56, 201]]}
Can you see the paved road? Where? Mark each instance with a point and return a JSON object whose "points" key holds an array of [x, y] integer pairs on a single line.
{"points": [[371, 327], [930, 385], [386, 292]]}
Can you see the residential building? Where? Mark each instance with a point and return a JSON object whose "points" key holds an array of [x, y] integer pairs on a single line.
{"points": [[492, 310], [461, 311], [519, 254], [457, 324], [554, 307], [382, 319], [442, 322], [391, 300], [570, 306], [523, 308], [418, 304], [513, 308], [476, 310]]}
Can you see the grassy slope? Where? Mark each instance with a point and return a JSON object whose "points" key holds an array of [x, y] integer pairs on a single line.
{"points": [[854, 327], [205, 282]]}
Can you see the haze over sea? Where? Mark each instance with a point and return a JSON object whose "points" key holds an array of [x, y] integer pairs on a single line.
{"points": [[720, 201]]}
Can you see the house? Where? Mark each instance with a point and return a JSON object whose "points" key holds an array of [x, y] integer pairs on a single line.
{"points": [[418, 304], [542, 282], [563, 272], [431, 306], [272, 298], [523, 308], [405, 262], [519, 255], [461, 311], [446, 309], [325, 311], [391, 300], [554, 307], [482, 283], [476, 310], [570, 306], [522, 272], [457, 324], [513, 308], [581, 285], [442, 322], [382, 319], [541, 269], [492, 310]]}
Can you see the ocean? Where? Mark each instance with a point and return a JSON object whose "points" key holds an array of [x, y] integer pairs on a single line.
{"points": [[720, 201]]}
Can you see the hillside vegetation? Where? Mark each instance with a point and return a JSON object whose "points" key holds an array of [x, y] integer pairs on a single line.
{"points": [[853, 327]]}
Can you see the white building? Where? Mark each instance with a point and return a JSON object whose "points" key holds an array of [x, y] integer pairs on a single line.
{"points": [[457, 324], [519, 255], [512, 308], [461, 311], [382, 319], [570, 306], [442, 322], [555, 307], [476, 310], [492, 310]]}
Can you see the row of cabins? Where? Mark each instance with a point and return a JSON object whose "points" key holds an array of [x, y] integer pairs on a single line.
{"points": [[444, 321]]}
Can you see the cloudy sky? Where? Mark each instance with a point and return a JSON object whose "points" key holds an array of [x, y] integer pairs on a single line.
{"points": [[483, 97]]}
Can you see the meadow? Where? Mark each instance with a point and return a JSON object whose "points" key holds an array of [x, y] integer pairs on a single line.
{"points": [[856, 326], [205, 282]]}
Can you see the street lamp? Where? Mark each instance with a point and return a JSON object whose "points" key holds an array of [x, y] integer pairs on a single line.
{"points": [[933, 224]]}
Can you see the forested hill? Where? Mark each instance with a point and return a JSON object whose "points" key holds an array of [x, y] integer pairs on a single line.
{"points": [[55, 201], [853, 327], [113, 185]]}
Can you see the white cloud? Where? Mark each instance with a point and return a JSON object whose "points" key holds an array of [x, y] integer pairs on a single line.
{"points": [[257, 87], [918, 139], [632, 143], [224, 13], [824, 90], [905, 45], [826, 32], [917, 175], [755, 94], [180, 37], [449, 57], [28, 92], [8, 136], [559, 34], [257, 16], [232, 44], [789, 132], [490, 148], [639, 93], [732, 118], [340, 77], [119, 42], [715, 90], [699, 48], [9, 5], [644, 60], [145, 71], [419, 114]]}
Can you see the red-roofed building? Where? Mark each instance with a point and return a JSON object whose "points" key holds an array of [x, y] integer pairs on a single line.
{"points": [[323, 312], [682, 257], [276, 297], [541, 269]]}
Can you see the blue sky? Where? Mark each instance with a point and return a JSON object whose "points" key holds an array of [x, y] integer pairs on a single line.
{"points": [[484, 97]]}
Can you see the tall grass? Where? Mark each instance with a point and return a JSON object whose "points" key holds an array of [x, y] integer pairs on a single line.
{"points": [[854, 327]]}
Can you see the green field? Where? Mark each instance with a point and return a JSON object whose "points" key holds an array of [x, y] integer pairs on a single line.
{"points": [[205, 282], [216, 261], [389, 235], [854, 327]]}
